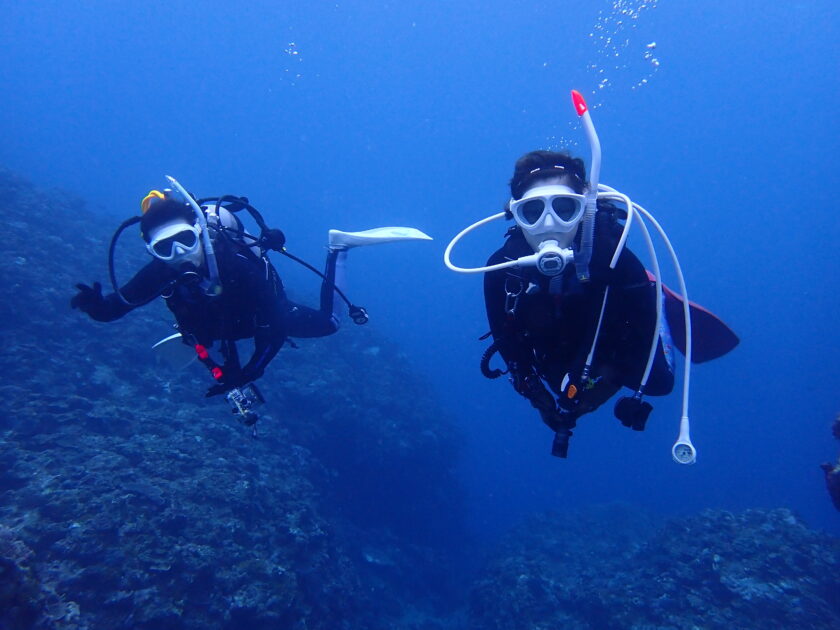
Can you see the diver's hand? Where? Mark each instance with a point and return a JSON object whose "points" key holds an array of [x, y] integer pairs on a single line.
{"points": [[218, 388], [88, 299], [233, 378]]}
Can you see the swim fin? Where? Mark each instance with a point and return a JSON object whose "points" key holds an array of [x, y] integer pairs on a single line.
{"points": [[712, 337], [173, 351], [346, 240]]}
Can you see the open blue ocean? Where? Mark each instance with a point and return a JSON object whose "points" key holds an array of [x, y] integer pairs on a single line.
{"points": [[392, 486]]}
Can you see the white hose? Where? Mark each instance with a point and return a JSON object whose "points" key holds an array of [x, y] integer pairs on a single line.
{"points": [[683, 450], [610, 194], [614, 194], [656, 273], [464, 232]]}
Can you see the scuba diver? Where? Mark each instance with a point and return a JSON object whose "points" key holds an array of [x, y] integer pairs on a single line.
{"points": [[573, 313], [218, 282], [832, 471]]}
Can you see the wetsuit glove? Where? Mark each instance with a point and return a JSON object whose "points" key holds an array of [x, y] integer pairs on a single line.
{"points": [[231, 378], [89, 299]]}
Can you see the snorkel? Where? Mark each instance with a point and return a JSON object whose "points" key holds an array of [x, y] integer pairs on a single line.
{"points": [[551, 258], [584, 254], [214, 287], [631, 407]]}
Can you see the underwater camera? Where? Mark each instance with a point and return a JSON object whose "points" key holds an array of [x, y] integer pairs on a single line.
{"points": [[243, 401]]}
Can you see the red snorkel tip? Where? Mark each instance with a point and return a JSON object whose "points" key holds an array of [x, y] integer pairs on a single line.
{"points": [[579, 103]]}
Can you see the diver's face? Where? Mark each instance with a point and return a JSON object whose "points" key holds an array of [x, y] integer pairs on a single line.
{"points": [[176, 243], [550, 210]]}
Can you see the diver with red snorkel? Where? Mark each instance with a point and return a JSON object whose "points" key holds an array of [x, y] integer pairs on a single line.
{"points": [[574, 311]]}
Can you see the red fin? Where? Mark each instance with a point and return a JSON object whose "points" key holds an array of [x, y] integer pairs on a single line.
{"points": [[711, 337]]}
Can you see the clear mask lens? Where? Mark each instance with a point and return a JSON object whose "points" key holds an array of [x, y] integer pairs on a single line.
{"points": [[165, 247], [564, 207], [531, 211]]}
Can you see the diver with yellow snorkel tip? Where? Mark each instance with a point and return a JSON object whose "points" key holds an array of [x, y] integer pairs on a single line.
{"points": [[570, 307], [220, 285]]}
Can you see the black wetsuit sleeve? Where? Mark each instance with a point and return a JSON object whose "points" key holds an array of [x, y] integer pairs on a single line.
{"points": [[270, 330], [144, 287]]}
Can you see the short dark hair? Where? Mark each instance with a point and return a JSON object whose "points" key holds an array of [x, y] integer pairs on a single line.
{"points": [[163, 212], [537, 165]]}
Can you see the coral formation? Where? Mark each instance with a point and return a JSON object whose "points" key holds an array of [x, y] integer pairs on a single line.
{"points": [[613, 568]]}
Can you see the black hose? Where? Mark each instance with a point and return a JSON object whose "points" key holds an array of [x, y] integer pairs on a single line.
{"points": [[314, 270], [235, 204], [111, 273], [113, 276], [485, 363]]}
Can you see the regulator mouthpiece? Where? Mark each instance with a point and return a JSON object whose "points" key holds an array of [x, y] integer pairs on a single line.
{"points": [[552, 260]]}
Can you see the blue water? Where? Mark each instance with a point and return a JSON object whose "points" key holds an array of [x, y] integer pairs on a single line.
{"points": [[413, 113]]}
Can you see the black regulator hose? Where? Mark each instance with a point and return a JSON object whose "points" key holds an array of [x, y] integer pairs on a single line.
{"points": [[485, 363], [235, 204], [113, 276], [111, 273], [275, 240], [357, 313]]}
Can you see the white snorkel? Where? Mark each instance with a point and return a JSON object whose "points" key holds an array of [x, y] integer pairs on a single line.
{"points": [[215, 286], [551, 259], [584, 254]]}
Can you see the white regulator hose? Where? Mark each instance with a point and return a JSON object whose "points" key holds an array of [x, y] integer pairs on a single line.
{"points": [[683, 450], [446, 254], [657, 275], [609, 193]]}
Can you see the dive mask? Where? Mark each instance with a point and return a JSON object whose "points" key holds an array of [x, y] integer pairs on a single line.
{"points": [[174, 242], [551, 212]]}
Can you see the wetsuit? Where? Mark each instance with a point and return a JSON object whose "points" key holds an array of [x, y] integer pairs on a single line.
{"points": [[252, 304], [546, 332]]}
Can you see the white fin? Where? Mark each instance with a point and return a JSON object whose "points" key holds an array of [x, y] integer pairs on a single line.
{"points": [[346, 240], [174, 352]]}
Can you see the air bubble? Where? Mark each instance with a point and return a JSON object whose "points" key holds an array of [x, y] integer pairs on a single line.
{"points": [[616, 28]]}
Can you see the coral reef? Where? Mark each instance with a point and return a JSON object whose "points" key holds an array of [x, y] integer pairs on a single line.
{"points": [[26, 601], [611, 567]]}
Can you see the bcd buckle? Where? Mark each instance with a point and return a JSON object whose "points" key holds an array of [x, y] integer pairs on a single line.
{"points": [[512, 296]]}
